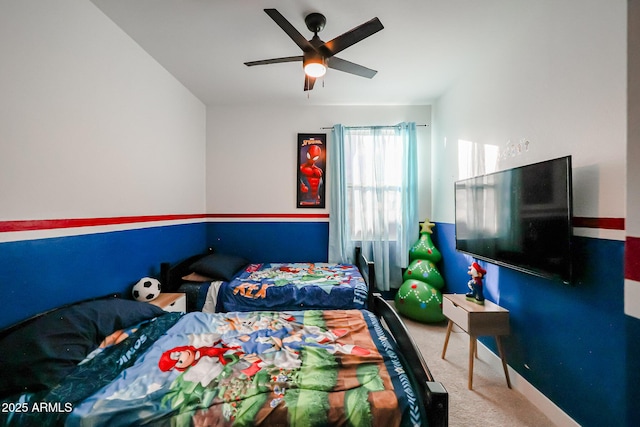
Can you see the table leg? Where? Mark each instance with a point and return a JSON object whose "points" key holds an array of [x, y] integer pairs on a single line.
{"points": [[446, 339], [472, 350], [504, 362]]}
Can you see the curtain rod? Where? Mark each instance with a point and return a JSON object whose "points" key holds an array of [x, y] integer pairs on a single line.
{"points": [[367, 127]]}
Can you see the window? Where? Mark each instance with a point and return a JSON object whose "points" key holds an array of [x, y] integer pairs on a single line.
{"points": [[374, 181], [373, 195]]}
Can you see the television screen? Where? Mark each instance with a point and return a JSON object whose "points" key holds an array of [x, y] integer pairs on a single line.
{"points": [[519, 218]]}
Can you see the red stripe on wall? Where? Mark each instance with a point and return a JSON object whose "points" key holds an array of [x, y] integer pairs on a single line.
{"points": [[50, 224], [603, 223], [632, 258], [47, 224]]}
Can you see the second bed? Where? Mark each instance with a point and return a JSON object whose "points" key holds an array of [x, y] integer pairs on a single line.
{"points": [[215, 282]]}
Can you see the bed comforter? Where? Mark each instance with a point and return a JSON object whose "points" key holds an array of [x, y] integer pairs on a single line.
{"points": [[306, 368], [291, 286]]}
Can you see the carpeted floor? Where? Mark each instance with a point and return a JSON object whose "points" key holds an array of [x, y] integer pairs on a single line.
{"points": [[491, 402]]}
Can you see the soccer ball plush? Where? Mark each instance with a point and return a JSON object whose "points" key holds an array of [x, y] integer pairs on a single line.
{"points": [[147, 289]]}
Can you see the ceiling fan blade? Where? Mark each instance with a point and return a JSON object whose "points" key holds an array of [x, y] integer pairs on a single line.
{"points": [[290, 30], [350, 67], [351, 37], [274, 60], [309, 82]]}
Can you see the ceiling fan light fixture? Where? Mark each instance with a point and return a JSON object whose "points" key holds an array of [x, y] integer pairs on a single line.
{"points": [[314, 67]]}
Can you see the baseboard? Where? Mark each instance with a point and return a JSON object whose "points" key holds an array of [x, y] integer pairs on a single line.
{"points": [[539, 400]]}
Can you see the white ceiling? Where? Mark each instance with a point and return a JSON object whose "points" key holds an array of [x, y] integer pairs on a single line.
{"points": [[424, 46]]}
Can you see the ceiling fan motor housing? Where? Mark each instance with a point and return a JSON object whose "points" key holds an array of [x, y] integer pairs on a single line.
{"points": [[315, 22]]}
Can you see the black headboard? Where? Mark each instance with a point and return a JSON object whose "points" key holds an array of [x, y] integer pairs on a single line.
{"points": [[171, 275]]}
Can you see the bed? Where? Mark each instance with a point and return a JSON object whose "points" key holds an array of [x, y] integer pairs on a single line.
{"points": [[115, 362], [219, 282]]}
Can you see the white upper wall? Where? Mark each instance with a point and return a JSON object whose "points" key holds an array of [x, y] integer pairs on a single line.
{"points": [[251, 152], [90, 124], [557, 80]]}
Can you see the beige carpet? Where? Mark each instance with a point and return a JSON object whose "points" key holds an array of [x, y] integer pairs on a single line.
{"points": [[490, 403]]}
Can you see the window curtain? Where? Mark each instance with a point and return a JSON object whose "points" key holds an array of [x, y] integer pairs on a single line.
{"points": [[373, 197]]}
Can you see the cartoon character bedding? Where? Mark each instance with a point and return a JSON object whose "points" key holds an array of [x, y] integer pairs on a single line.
{"points": [[282, 286], [333, 367], [232, 284]]}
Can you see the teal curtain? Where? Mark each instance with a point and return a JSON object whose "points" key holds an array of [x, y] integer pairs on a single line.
{"points": [[341, 247], [373, 197], [409, 205]]}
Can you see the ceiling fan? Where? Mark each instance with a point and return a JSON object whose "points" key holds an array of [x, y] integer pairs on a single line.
{"points": [[318, 55]]}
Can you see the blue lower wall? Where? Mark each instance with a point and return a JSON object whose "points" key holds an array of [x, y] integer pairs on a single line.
{"points": [[271, 241], [567, 341], [37, 275], [633, 370]]}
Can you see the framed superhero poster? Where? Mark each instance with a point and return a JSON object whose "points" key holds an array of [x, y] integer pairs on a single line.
{"points": [[312, 151]]}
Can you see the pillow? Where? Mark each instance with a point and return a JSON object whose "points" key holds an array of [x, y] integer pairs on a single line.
{"points": [[219, 266], [41, 353], [195, 277]]}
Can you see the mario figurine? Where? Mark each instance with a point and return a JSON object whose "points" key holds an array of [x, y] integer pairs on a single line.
{"points": [[475, 284]]}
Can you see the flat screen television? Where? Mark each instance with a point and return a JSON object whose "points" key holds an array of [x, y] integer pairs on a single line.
{"points": [[519, 218]]}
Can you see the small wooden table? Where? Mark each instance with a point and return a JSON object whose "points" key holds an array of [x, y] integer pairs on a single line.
{"points": [[476, 320], [173, 302]]}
